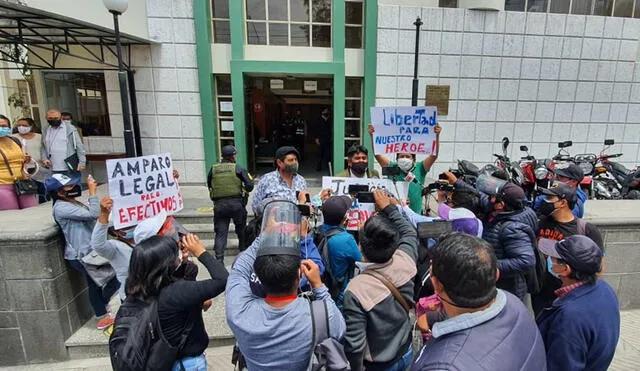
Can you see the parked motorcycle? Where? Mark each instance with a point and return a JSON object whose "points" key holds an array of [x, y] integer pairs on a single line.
{"points": [[512, 168], [535, 173], [613, 180], [467, 171]]}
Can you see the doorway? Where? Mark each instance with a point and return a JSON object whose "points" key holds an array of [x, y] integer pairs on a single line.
{"points": [[286, 110]]}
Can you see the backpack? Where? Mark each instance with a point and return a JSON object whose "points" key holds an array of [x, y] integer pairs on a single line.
{"points": [[253, 229], [137, 341], [327, 353], [334, 285]]}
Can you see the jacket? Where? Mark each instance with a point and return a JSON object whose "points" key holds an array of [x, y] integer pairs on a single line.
{"points": [[77, 224], [581, 330], [513, 239], [74, 144], [371, 173], [501, 337], [116, 252], [343, 253], [378, 327], [578, 208]]}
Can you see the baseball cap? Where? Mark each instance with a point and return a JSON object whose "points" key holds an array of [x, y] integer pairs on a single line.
{"points": [[148, 227], [512, 194], [228, 151], [57, 181], [569, 170], [282, 152], [562, 191], [579, 252], [334, 208]]}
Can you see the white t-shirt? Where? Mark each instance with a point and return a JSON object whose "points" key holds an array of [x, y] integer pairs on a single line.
{"points": [[32, 146]]}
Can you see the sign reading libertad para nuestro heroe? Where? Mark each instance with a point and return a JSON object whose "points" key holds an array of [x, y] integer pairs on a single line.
{"points": [[141, 188], [404, 129]]}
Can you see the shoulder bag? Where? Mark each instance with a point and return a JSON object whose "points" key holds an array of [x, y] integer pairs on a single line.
{"points": [[22, 186]]}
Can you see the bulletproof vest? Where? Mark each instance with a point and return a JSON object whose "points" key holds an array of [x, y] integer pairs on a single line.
{"points": [[225, 182]]}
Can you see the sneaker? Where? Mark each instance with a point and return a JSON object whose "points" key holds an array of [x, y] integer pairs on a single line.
{"points": [[105, 322]]}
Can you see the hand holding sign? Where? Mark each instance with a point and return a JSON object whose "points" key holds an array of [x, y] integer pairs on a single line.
{"points": [[404, 130]]}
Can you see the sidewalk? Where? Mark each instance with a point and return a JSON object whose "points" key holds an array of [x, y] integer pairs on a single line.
{"points": [[219, 358]]}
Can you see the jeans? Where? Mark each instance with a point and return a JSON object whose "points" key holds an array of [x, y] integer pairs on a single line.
{"points": [[223, 211], [99, 297], [404, 362], [197, 363]]}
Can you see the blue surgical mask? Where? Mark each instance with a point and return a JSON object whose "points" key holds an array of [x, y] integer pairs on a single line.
{"points": [[4, 131], [550, 268]]}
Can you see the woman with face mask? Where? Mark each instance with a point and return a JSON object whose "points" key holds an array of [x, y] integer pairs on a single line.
{"points": [[32, 145], [76, 220], [12, 161]]}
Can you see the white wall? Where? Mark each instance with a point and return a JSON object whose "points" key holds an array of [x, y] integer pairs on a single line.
{"points": [[536, 78], [132, 22]]}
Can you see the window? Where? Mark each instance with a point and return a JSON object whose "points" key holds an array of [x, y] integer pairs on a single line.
{"points": [[221, 28], [623, 8], [224, 104], [616, 8], [289, 22], [84, 95], [352, 112], [353, 23], [514, 5], [448, 3]]}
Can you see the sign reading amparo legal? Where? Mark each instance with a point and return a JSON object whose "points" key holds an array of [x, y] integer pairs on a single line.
{"points": [[142, 187], [404, 129]]}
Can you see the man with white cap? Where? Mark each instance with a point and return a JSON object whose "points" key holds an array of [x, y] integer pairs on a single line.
{"points": [[581, 329]]}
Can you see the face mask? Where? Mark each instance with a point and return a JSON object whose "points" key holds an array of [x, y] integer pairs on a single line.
{"points": [[547, 208], [24, 129], [128, 234], [550, 268], [66, 121], [405, 164], [54, 123], [4, 131], [291, 168], [359, 168], [74, 192]]}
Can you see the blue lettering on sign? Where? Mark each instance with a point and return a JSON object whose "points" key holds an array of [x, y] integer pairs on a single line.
{"points": [[418, 118], [392, 139]]}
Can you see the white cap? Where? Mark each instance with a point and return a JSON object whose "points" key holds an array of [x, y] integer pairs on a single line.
{"points": [[149, 227]]}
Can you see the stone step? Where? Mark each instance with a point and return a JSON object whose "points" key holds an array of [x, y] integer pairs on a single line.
{"points": [[88, 342], [205, 231]]}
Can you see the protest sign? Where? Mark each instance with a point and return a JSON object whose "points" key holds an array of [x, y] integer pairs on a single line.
{"points": [[404, 130], [363, 211], [142, 187]]}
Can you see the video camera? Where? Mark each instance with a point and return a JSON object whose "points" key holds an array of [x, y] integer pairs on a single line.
{"points": [[439, 186]]}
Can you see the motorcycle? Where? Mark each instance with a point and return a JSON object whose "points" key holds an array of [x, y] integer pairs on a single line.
{"points": [[512, 169], [613, 180], [534, 173], [467, 171]]}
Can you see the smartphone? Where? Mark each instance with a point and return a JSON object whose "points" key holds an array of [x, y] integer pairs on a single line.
{"points": [[365, 197], [354, 189], [433, 229], [391, 171]]}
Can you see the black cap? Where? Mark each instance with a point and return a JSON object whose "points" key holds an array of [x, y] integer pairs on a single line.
{"points": [[282, 152], [579, 252], [335, 208], [570, 170], [513, 195], [562, 191], [228, 151]]}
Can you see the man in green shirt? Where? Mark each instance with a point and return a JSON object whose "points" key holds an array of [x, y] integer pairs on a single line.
{"points": [[418, 171]]}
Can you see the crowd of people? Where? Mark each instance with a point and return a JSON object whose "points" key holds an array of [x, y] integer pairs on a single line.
{"points": [[513, 286]]}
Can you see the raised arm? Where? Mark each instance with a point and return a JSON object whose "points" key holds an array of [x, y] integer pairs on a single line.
{"points": [[382, 159], [429, 161], [67, 210], [99, 241], [408, 241]]}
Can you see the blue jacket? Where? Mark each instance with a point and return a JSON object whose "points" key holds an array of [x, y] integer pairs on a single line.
{"points": [[513, 239], [578, 209], [581, 330], [343, 253], [502, 337]]}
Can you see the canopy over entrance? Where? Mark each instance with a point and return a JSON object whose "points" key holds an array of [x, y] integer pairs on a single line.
{"points": [[35, 39]]}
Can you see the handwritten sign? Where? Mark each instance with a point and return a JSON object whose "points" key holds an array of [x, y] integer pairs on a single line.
{"points": [[404, 129], [360, 214], [142, 187]]}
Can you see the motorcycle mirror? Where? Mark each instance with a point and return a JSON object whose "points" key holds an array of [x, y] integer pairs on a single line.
{"points": [[524, 148], [505, 143], [609, 142], [568, 143]]}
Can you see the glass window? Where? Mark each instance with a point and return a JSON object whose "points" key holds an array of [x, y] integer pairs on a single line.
{"points": [[537, 5], [353, 12], [321, 36], [515, 5], [299, 35], [636, 13], [353, 37], [299, 10], [353, 111], [559, 6], [257, 33], [353, 88], [278, 34], [221, 32], [278, 10], [603, 7], [256, 10], [220, 8], [223, 84], [84, 95], [623, 8], [448, 3], [321, 11], [581, 6]]}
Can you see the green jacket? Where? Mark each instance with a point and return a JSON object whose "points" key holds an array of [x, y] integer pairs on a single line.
{"points": [[371, 173]]}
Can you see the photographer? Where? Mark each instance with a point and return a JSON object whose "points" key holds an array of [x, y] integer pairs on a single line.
{"points": [[460, 207], [275, 332]]}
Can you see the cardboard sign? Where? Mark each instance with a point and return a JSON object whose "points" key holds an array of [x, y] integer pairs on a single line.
{"points": [[141, 188], [404, 130], [361, 212]]}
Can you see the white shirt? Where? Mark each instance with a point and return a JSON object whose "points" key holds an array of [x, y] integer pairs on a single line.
{"points": [[32, 146], [56, 142]]}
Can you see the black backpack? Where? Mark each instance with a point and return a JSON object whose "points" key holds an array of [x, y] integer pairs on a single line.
{"points": [[327, 353], [137, 342], [253, 230], [334, 285]]}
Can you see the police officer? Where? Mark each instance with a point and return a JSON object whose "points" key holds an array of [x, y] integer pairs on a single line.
{"points": [[229, 185]]}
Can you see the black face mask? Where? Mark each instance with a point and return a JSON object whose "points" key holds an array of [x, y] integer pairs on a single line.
{"points": [[54, 123], [546, 208], [359, 168], [74, 192]]}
